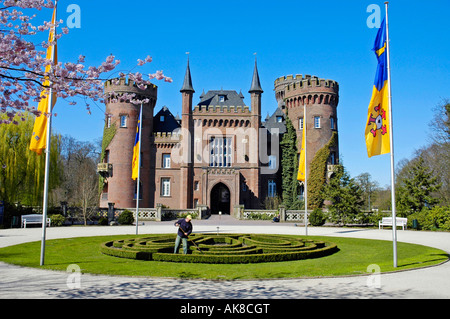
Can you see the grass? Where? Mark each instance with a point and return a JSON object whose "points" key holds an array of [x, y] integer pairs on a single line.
{"points": [[353, 258]]}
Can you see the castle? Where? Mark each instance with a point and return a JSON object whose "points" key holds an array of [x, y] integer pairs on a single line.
{"points": [[219, 153]]}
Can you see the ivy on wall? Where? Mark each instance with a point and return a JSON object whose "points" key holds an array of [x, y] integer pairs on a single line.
{"points": [[318, 173], [108, 135]]}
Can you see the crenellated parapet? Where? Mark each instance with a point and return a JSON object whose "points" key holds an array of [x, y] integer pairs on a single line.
{"points": [[166, 139], [220, 109], [121, 85], [298, 90]]}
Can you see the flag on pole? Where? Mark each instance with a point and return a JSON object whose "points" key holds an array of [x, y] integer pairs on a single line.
{"points": [[377, 130], [136, 154], [38, 140], [301, 175]]}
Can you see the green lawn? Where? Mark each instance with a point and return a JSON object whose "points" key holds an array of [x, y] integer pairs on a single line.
{"points": [[353, 257]]}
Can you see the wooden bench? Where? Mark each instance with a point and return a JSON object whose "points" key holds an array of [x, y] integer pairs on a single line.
{"points": [[387, 221], [33, 219]]}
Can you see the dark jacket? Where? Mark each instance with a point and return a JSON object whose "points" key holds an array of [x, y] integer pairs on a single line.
{"points": [[186, 226]]}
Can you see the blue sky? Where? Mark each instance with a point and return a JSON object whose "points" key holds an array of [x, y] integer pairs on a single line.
{"points": [[329, 39]]}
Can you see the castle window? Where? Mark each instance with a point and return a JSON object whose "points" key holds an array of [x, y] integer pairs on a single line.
{"points": [[123, 121], [272, 191], [300, 123], [161, 118], [332, 123], [196, 186], [316, 121], [279, 119], [333, 158], [165, 187], [108, 121], [166, 161], [221, 98], [221, 152]]}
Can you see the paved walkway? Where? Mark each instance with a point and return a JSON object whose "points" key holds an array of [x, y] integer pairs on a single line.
{"points": [[20, 282]]}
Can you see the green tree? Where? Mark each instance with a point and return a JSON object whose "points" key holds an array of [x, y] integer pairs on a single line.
{"points": [[289, 164], [345, 196], [368, 187], [22, 171], [415, 188]]}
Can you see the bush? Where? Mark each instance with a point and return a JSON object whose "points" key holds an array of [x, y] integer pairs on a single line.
{"points": [[437, 218], [103, 221], [126, 218], [317, 217], [57, 220]]}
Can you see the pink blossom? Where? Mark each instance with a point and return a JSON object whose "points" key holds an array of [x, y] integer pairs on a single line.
{"points": [[23, 63]]}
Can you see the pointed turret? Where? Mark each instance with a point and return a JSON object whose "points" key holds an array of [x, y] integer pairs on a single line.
{"points": [[187, 84], [187, 142], [256, 85]]}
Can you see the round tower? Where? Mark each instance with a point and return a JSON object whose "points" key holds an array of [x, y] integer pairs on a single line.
{"points": [[321, 98], [118, 143]]}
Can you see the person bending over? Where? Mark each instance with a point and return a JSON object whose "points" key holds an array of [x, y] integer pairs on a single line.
{"points": [[184, 230]]}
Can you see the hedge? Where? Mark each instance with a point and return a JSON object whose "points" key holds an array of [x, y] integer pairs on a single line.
{"points": [[223, 249]]}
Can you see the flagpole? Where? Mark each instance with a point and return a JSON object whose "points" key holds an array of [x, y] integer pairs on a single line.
{"points": [[306, 175], [47, 156], [391, 136], [139, 172]]}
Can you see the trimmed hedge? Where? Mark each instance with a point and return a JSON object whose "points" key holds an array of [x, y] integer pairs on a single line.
{"points": [[222, 249]]}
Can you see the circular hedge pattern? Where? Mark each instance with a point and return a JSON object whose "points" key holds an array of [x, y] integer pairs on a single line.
{"points": [[221, 249]]}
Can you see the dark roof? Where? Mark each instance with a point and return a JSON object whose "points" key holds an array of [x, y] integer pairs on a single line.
{"points": [[187, 84], [230, 98], [166, 124], [256, 85], [272, 121]]}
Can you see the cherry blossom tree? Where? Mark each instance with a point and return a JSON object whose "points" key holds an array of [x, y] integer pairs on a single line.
{"points": [[23, 61]]}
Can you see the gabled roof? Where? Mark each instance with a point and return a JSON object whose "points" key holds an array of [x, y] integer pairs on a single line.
{"points": [[272, 122], [164, 121]]}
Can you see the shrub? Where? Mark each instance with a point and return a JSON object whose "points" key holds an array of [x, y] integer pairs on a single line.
{"points": [[126, 218], [432, 219], [317, 217], [103, 221], [57, 220]]}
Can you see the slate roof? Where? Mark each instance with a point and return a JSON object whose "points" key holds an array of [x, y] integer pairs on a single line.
{"points": [[272, 122], [256, 85], [187, 83], [169, 124], [230, 98]]}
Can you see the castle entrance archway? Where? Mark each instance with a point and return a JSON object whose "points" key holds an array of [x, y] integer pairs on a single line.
{"points": [[220, 199]]}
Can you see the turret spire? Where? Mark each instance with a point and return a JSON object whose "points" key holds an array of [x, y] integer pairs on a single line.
{"points": [[256, 85], [187, 84]]}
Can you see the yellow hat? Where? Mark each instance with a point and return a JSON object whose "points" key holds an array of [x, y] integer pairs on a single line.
{"points": [[189, 217]]}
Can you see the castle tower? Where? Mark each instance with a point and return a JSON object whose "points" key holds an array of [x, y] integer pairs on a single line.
{"points": [[321, 98], [255, 96], [118, 142], [186, 166]]}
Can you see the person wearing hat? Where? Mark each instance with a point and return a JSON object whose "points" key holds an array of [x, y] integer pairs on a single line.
{"points": [[184, 230]]}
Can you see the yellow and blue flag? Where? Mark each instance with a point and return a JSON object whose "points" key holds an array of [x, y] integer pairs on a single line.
{"points": [[136, 154], [38, 141], [377, 126], [301, 175]]}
